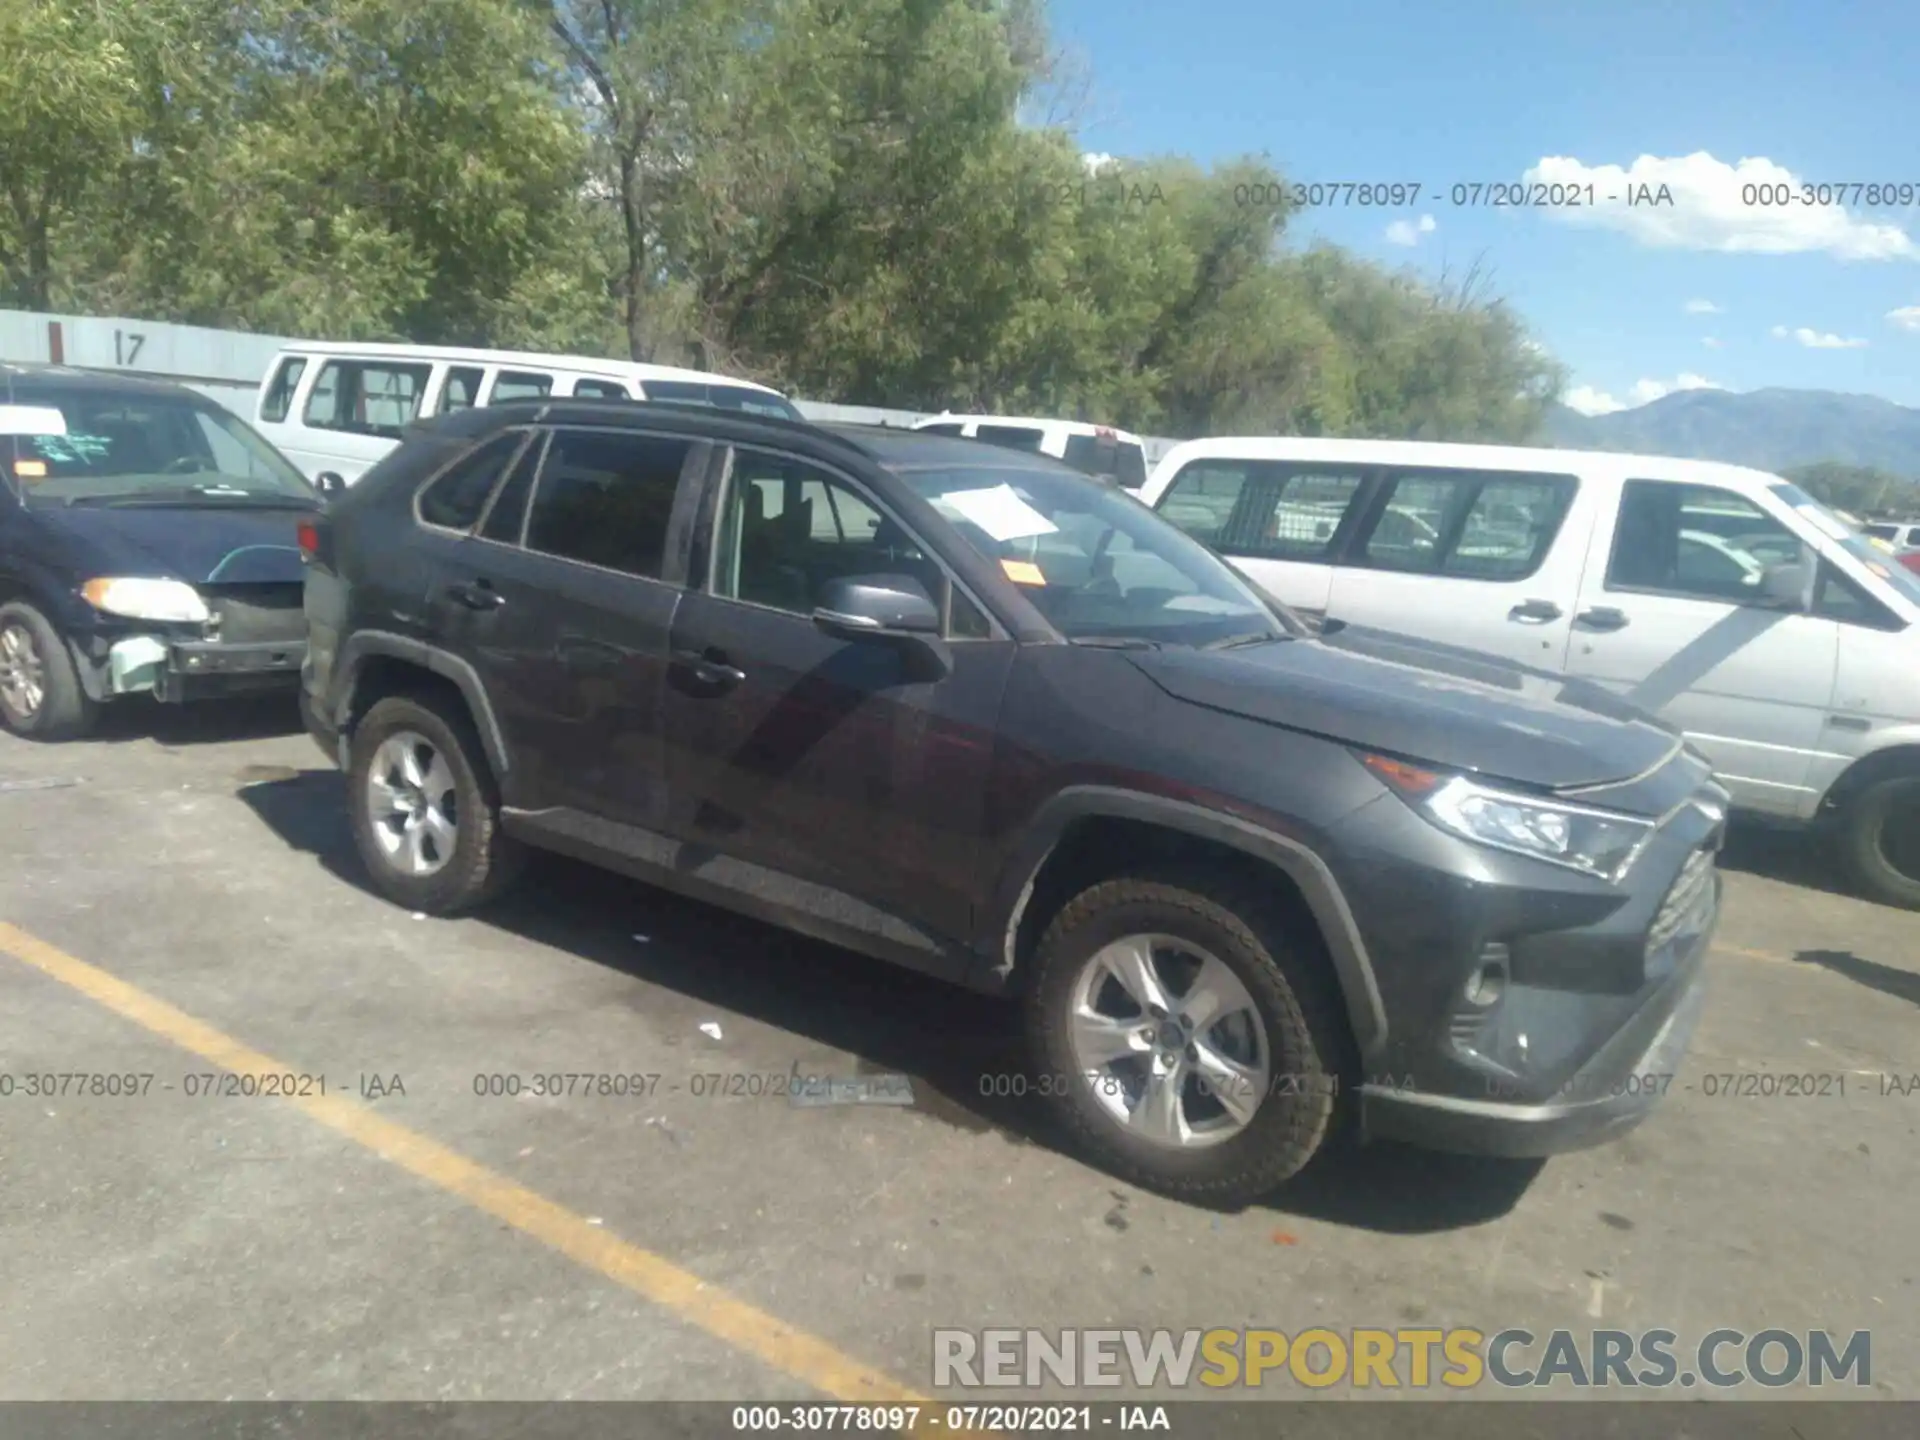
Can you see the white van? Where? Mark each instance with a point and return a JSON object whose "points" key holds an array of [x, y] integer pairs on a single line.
{"points": [[340, 407], [1783, 643], [1094, 449]]}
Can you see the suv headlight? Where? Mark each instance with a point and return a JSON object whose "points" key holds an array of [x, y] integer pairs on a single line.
{"points": [[1602, 843], [144, 599]]}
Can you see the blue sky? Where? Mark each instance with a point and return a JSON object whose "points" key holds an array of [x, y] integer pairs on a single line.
{"points": [[1705, 96]]}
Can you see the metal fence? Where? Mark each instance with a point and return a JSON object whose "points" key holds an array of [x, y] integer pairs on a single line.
{"points": [[228, 365]]}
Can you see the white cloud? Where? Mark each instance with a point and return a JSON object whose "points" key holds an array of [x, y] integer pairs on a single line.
{"points": [[1815, 340], [1097, 160], [1703, 208], [1406, 232], [1701, 307], [1589, 401], [1907, 317], [1711, 343]]}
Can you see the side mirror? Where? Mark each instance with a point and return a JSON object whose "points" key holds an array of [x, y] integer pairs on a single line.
{"points": [[1788, 585], [329, 483], [876, 607]]}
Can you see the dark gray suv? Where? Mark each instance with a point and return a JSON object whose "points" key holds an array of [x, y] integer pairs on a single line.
{"points": [[973, 712]]}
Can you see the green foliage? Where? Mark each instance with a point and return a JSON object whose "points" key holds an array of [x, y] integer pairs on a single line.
{"points": [[1860, 489], [844, 197]]}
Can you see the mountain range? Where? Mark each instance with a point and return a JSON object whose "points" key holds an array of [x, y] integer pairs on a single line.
{"points": [[1770, 429]]}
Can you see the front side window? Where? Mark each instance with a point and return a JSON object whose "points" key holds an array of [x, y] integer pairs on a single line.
{"points": [[520, 385], [122, 449], [1094, 560], [1467, 524], [604, 497], [362, 397], [789, 528], [286, 380], [1695, 540]]}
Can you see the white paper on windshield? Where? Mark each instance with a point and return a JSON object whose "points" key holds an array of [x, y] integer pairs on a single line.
{"points": [[1206, 605], [1826, 524], [1000, 512]]}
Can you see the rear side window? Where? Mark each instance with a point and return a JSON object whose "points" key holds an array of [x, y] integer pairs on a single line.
{"points": [[1884, 532], [455, 499], [366, 398], [286, 380], [1270, 510], [942, 429], [462, 390], [601, 390], [604, 497], [1011, 437], [1467, 524], [1133, 465], [520, 385]]}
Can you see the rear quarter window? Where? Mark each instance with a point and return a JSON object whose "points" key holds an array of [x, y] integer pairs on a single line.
{"points": [[366, 398]]}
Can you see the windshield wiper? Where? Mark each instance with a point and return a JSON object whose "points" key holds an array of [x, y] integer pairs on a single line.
{"points": [[1250, 637], [1117, 642]]}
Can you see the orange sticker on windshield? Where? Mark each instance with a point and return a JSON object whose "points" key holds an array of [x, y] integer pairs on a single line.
{"points": [[1023, 572], [30, 469]]}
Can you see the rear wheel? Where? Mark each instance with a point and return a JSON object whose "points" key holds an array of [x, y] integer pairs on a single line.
{"points": [[1189, 1035], [426, 813], [1880, 839], [40, 692]]}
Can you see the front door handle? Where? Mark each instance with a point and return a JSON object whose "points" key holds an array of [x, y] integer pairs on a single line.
{"points": [[1535, 612], [710, 667], [1603, 617], [480, 595]]}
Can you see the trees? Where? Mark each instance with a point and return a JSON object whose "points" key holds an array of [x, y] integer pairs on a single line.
{"points": [[850, 198]]}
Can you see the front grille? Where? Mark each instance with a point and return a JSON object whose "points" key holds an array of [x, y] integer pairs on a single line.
{"points": [[1689, 904], [257, 614]]}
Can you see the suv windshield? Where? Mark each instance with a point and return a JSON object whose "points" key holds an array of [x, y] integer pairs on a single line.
{"points": [[1096, 562], [1876, 560], [158, 448]]}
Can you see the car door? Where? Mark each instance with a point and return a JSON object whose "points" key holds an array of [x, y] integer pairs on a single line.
{"points": [[1277, 521], [1681, 627], [841, 782], [1468, 557], [562, 599]]}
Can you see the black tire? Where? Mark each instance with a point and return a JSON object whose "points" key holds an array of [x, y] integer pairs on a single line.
{"points": [[1284, 971], [1885, 815], [485, 860], [65, 710]]}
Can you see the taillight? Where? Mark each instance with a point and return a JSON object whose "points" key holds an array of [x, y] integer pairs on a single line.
{"points": [[309, 538]]}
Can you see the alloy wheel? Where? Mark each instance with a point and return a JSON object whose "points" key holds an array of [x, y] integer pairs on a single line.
{"points": [[23, 673], [412, 804]]}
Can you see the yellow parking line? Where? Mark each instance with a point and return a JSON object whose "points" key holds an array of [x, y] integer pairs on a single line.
{"points": [[1747, 954], [796, 1353]]}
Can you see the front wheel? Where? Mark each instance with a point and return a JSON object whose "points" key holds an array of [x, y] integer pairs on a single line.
{"points": [[41, 696], [1194, 1035], [1880, 840]]}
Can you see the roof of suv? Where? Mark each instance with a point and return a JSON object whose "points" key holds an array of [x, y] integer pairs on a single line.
{"points": [[33, 376]]}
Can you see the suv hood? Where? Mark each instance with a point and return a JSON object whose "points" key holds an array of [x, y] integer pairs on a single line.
{"points": [[1452, 708], [201, 545]]}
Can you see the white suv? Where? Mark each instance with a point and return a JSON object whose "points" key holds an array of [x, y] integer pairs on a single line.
{"points": [[1784, 644], [1097, 450]]}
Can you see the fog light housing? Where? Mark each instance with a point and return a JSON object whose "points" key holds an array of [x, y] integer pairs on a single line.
{"points": [[1488, 982]]}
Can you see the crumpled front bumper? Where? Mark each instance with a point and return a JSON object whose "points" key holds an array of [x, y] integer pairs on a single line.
{"points": [[178, 671]]}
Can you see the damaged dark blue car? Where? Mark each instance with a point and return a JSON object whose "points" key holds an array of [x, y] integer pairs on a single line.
{"points": [[149, 544]]}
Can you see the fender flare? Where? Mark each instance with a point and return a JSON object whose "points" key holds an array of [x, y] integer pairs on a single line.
{"points": [[365, 644], [1353, 969]]}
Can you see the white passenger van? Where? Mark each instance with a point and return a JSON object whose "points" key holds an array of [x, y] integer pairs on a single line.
{"points": [[1097, 450], [340, 407], [1785, 645]]}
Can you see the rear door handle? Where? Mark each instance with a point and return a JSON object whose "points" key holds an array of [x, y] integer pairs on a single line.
{"points": [[1603, 617], [480, 595], [1535, 612], [710, 667]]}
